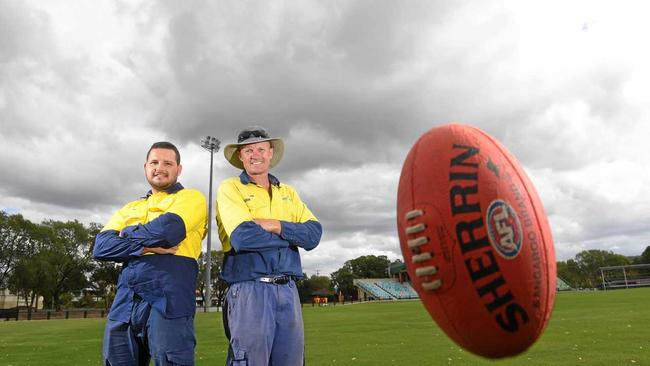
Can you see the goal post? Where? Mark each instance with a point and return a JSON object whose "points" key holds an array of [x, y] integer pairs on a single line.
{"points": [[633, 275]]}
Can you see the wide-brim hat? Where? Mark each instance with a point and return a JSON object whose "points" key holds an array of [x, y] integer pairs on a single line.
{"points": [[252, 135]]}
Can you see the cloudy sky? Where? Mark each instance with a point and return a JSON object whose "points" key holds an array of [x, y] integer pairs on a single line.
{"points": [[87, 86]]}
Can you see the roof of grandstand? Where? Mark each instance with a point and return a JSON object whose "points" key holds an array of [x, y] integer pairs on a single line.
{"points": [[396, 267]]}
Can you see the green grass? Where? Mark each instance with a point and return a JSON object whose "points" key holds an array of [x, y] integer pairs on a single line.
{"points": [[587, 328]]}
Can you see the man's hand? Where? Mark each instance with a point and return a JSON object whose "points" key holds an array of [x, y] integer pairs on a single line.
{"points": [[272, 226], [159, 250]]}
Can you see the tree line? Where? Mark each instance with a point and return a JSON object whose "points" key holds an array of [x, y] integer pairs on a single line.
{"points": [[53, 259], [583, 271]]}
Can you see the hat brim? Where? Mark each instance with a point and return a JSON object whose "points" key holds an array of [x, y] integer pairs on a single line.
{"points": [[230, 152]]}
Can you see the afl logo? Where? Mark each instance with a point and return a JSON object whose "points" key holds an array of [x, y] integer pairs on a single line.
{"points": [[504, 229]]}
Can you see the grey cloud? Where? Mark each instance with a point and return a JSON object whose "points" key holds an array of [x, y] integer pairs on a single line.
{"points": [[71, 181], [257, 80], [377, 38], [24, 32], [25, 43]]}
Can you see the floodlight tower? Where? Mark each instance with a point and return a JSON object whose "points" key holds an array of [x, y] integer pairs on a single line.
{"points": [[212, 145]]}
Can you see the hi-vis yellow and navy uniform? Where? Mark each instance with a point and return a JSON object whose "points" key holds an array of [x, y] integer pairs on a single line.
{"points": [[167, 282], [251, 252]]}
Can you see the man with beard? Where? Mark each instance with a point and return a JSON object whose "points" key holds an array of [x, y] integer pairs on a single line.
{"points": [[157, 238]]}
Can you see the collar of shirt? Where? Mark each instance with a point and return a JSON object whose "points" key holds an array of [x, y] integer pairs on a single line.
{"points": [[173, 189], [244, 178]]}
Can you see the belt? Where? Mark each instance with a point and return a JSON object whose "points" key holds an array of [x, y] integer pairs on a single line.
{"points": [[277, 280]]}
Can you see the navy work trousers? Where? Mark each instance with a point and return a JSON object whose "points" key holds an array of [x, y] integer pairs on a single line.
{"points": [[149, 335], [263, 323]]}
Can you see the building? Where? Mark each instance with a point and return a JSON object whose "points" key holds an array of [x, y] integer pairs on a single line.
{"points": [[10, 301]]}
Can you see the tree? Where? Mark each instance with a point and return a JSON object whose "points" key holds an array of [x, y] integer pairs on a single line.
{"points": [[589, 261], [217, 286], [18, 238], [303, 287], [24, 269], [645, 256], [308, 285], [103, 280], [27, 280], [320, 283], [568, 271], [343, 281], [368, 266], [67, 254]]}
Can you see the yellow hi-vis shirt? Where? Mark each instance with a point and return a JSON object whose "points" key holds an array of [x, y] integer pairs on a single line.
{"points": [[166, 282], [189, 204], [238, 202]]}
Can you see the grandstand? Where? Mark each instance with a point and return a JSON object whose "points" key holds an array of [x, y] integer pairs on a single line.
{"points": [[384, 289], [392, 289], [396, 289], [562, 285], [399, 286]]}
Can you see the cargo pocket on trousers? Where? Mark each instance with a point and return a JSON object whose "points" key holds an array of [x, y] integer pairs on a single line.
{"points": [[238, 358], [181, 357]]}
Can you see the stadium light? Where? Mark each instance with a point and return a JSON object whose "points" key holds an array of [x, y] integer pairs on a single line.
{"points": [[212, 145]]}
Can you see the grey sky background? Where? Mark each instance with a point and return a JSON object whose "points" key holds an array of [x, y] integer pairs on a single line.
{"points": [[86, 87]]}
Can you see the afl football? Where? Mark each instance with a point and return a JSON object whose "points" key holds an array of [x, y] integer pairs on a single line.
{"points": [[476, 241]]}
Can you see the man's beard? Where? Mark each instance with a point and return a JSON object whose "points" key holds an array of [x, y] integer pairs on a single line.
{"points": [[160, 187]]}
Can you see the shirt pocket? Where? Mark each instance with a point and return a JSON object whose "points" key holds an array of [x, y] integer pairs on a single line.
{"points": [[159, 207], [290, 211], [258, 208], [136, 215]]}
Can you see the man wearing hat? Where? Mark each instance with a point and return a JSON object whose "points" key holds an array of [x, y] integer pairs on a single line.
{"points": [[262, 223]]}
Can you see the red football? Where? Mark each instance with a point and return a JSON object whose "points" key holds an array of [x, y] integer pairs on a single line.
{"points": [[476, 241]]}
